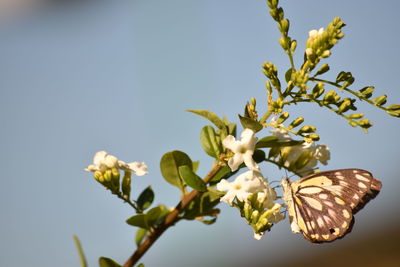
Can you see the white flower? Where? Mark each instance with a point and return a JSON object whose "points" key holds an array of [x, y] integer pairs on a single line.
{"points": [[322, 154], [245, 185], [314, 33], [102, 161], [319, 153], [243, 150], [282, 134]]}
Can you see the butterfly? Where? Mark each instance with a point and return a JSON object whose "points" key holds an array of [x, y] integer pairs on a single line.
{"points": [[321, 206]]}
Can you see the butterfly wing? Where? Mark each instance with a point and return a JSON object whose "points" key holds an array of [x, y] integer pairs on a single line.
{"points": [[324, 203]]}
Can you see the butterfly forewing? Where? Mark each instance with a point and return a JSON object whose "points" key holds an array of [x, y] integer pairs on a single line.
{"points": [[324, 203]]}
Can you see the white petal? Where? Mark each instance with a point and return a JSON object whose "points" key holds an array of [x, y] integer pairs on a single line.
{"points": [[99, 157], [248, 160], [235, 161], [139, 168], [224, 185], [110, 161], [230, 142], [91, 168], [258, 236], [248, 139]]}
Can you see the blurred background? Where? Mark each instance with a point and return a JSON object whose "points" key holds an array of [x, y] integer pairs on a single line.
{"points": [[82, 76]]}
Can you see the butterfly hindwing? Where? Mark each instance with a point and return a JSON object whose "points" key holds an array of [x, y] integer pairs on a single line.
{"points": [[322, 204]]}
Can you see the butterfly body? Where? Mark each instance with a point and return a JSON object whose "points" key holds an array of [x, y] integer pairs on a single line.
{"points": [[321, 205]]}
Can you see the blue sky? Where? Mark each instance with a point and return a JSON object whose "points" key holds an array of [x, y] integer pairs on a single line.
{"points": [[119, 75]]}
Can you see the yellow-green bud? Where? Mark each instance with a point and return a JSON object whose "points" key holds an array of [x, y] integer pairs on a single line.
{"points": [[367, 91], [283, 117], [253, 101], [297, 122], [283, 41], [293, 45], [353, 123], [307, 129], [324, 68], [313, 136], [254, 216], [356, 116], [326, 54], [283, 25], [364, 123], [108, 175], [393, 107], [98, 176], [303, 160], [381, 100]]}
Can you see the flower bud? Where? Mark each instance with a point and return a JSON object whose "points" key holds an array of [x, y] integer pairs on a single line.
{"points": [[283, 117], [296, 122], [381, 100]]}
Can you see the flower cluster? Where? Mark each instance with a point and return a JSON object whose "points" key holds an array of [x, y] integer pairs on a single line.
{"points": [[250, 192], [102, 161], [106, 169], [300, 158]]}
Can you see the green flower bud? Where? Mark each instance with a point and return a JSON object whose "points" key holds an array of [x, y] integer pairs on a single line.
{"points": [[313, 136], [307, 129], [326, 54], [283, 117], [284, 25], [356, 116], [318, 90], [367, 91], [393, 107], [353, 123], [380, 100], [108, 176], [98, 176], [254, 216], [126, 184], [324, 68], [293, 45], [272, 3], [364, 123], [303, 160], [283, 41], [394, 113], [296, 122]]}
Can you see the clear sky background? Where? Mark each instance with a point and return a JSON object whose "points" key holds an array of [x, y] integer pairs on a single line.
{"points": [[119, 75]]}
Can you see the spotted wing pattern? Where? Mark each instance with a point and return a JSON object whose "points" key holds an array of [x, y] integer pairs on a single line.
{"points": [[324, 203]]}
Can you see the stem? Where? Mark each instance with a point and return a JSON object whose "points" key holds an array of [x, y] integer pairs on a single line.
{"points": [[169, 221], [347, 90], [119, 194], [80, 251]]}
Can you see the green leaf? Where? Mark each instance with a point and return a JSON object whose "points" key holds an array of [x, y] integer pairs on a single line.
{"points": [[225, 172], [266, 141], [140, 234], [146, 198], [288, 75], [156, 214], [140, 265], [139, 220], [191, 179], [80, 251], [272, 141], [210, 142], [169, 165], [250, 124], [211, 116], [196, 165], [107, 262], [203, 205]]}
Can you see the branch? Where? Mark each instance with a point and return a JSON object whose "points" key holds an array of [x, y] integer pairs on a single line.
{"points": [[169, 220]]}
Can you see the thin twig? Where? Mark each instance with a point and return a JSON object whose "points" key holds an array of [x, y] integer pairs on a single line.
{"points": [[169, 221]]}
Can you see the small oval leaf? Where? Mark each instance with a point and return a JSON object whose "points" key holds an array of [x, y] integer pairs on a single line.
{"points": [[211, 116], [146, 198], [107, 262], [250, 124], [139, 220], [209, 141], [191, 179], [140, 234], [169, 165]]}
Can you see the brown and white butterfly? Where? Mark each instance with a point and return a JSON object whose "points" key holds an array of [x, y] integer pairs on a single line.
{"points": [[321, 205]]}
